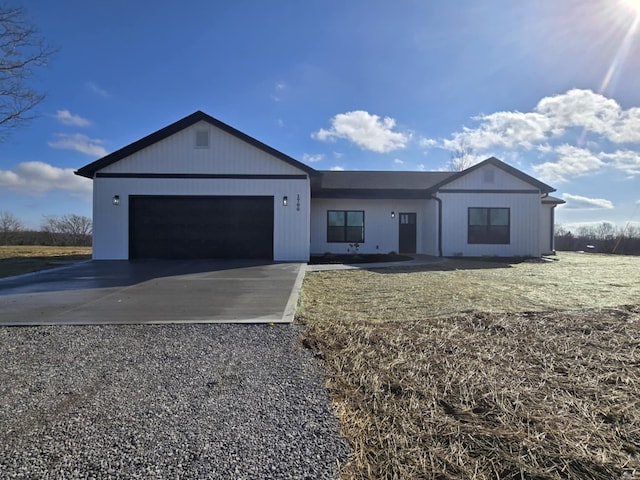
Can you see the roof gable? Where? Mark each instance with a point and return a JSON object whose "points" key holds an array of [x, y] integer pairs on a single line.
{"points": [[90, 169], [543, 187]]}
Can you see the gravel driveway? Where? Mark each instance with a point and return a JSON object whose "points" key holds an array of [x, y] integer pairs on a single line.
{"points": [[164, 401]]}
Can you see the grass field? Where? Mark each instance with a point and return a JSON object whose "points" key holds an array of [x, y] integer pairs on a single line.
{"points": [[19, 259], [479, 370]]}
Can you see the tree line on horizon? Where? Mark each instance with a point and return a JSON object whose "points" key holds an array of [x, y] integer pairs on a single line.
{"points": [[69, 230], [604, 237]]}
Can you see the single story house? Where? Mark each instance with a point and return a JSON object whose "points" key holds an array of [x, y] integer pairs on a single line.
{"points": [[199, 188]]}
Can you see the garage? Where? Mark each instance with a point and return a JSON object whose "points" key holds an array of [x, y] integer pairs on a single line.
{"points": [[187, 227]]}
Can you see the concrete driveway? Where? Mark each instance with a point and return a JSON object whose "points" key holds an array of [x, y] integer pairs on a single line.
{"points": [[124, 292]]}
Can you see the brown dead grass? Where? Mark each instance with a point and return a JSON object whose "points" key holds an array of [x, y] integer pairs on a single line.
{"points": [[437, 373], [19, 259]]}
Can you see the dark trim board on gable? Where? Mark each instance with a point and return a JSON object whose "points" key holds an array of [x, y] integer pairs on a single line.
{"points": [[89, 170]]}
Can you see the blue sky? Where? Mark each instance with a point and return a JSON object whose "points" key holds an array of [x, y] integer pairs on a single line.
{"points": [[548, 86]]}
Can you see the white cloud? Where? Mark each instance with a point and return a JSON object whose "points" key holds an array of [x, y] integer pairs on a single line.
{"points": [[427, 142], [38, 178], [338, 155], [337, 168], [397, 161], [594, 122], [67, 118], [572, 162], [580, 109], [309, 158], [97, 89], [552, 117], [369, 132], [278, 88], [501, 129], [585, 203], [422, 168], [79, 143], [627, 161]]}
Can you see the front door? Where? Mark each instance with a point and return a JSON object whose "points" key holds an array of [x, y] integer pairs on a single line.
{"points": [[407, 234]]}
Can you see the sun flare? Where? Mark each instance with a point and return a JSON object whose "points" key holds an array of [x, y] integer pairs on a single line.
{"points": [[633, 5]]}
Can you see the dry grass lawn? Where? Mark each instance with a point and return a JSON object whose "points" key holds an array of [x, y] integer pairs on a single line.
{"points": [[477, 370], [19, 259]]}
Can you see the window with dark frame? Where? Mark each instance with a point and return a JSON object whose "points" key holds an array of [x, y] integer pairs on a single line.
{"points": [[346, 226], [489, 226]]}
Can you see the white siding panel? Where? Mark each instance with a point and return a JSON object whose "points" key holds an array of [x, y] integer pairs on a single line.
{"points": [[226, 155], [547, 244], [381, 231], [111, 222], [525, 223], [488, 177]]}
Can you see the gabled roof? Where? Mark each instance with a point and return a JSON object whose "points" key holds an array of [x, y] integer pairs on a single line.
{"points": [[90, 169], [375, 184], [553, 200], [543, 187]]}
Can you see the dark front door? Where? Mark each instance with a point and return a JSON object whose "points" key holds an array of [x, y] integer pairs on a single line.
{"points": [[200, 227], [407, 233]]}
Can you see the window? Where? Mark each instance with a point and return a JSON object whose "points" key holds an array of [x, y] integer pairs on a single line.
{"points": [[489, 225], [345, 226]]}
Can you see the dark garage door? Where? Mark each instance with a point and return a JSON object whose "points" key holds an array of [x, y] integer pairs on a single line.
{"points": [[200, 227]]}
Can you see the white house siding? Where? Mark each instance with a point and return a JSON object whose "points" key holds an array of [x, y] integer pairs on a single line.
{"points": [[111, 222], [547, 244], [381, 230], [524, 219], [226, 154]]}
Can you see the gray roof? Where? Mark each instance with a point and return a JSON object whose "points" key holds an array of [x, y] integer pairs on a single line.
{"points": [[550, 199], [381, 179], [375, 184]]}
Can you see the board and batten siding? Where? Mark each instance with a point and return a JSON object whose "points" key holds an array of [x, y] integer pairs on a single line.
{"points": [[524, 211], [547, 242], [381, 230], [111, 225], [491, 187], [178, 154]]}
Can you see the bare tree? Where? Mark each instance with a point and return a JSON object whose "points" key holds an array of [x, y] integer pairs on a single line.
{"points": [[461, 158], [22, 51], [605, 231], [68, 229], [9, 226]]}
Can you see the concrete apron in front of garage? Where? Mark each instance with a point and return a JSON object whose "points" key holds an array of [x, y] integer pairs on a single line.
{"points": [[138, 292]]}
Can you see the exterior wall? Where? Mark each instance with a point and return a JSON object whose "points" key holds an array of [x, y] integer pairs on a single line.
{"points": [[381, 231], [111, 222], [524, 219], [178, 154], [547, 243]]}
